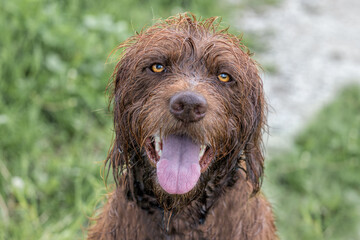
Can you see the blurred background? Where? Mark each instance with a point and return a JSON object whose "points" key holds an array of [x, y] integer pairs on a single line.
{"points": [[55, 128]]}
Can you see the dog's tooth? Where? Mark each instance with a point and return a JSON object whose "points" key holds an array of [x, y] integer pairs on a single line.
{"points": [[157, 138], [157, 146], [157, 142], [202, 151]]}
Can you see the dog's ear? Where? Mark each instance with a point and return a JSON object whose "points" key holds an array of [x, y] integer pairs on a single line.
{"points": [[118, 156], [253, 148], [254, 164]]}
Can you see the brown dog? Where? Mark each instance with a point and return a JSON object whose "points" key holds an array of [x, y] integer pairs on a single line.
{"points": [[189, 112]]}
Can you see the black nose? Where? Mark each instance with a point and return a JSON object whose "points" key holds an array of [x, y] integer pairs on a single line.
{"points": [[188, 106]]}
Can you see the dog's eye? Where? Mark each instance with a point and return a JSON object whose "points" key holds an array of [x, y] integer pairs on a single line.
{"points": [[157, 68], [224, 77]]}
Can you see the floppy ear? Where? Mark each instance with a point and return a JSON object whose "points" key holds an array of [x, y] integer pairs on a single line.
{"points": [[253, 148], [254, 164], [118, 156]]}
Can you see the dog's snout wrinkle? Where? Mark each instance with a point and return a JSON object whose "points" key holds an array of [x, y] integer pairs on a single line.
{"points": [[188, 106]]}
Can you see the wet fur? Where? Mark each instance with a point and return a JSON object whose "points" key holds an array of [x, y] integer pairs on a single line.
{"points": [[226, 203]]}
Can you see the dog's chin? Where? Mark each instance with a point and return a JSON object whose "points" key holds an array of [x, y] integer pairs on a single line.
{"points": [[179, 161]]}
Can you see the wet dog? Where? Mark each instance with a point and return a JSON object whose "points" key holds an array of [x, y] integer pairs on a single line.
{"points": [[189, 113]]}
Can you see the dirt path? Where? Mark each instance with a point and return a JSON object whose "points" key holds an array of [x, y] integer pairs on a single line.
{"points": [[315, 48]]}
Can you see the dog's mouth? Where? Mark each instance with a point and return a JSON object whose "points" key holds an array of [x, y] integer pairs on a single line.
{"points": [[179, 161]]}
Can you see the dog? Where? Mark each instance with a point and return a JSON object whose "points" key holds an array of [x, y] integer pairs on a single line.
{"points": [[189, 113]]}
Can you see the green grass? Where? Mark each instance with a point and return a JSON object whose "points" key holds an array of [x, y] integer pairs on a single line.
{"points": [[316, 187]]}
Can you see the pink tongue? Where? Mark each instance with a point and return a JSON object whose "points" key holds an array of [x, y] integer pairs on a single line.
{"points": [[178, 169]]}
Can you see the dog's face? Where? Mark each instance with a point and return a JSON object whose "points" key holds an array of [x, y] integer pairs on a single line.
{"points": [[186, 96]]}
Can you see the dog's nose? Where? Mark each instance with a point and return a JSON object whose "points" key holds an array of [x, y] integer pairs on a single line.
{"points": [[188, 106]]}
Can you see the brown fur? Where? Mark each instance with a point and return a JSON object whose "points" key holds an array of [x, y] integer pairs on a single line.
{"points": [[225, 203]]}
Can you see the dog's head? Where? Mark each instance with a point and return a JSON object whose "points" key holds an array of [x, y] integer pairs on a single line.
{"points": [[185, 96]]}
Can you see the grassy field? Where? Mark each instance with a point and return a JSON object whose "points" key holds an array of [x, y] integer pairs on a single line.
{"points": [[316, 186], [55, 128]]}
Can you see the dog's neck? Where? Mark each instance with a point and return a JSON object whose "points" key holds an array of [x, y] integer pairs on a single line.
{"points": [[220, 177]]}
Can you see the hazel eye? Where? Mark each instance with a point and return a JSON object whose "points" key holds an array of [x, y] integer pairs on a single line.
{"points": [[157, 68], [224, 77]]}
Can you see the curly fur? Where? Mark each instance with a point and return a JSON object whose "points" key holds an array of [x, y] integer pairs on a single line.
{"points": [[225, 203]]}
